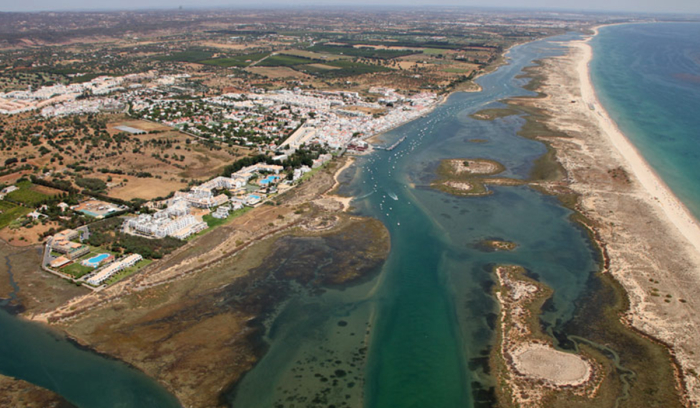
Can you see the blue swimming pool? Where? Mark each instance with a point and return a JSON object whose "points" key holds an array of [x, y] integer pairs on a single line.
{"points": [[94, 262]]}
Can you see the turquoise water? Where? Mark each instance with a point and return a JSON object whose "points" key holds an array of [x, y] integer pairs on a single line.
{"points": [[95, 260], [647, 76], [32, 353], [419, 334]]}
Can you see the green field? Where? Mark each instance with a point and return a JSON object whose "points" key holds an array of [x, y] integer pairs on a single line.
{"points": [[313, 55], [10, 212], [365, 52], [347, 68], [128, 271], [433, 51], [215, 222], [26, 195], [235, 61], [76, 270], [284, 61]]}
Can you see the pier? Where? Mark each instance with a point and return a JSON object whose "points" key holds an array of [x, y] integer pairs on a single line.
{"points": [[392, 147]]}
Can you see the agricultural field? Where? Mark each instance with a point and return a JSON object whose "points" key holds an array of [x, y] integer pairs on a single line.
{"points": [[321, 56], [277, 72], [234, 61], [341, 68], [279, 60], [31, 195], [363, 52]]}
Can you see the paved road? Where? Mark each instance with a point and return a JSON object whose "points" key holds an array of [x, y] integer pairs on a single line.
{"points": [[47, 253]]}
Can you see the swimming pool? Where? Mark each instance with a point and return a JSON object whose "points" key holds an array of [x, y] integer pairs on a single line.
{"points": [[95, 261]]}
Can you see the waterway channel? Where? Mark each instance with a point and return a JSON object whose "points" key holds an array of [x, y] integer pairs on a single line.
{"points": [[419, 334]]}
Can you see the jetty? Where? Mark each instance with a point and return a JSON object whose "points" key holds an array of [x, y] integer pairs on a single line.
{"points": [[392, 147]]}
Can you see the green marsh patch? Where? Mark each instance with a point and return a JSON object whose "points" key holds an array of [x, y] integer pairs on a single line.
{"points": [[494, 113], [465, 177]]}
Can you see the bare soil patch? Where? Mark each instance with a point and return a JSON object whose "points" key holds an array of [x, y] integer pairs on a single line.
{"points": [[145, 188], [26, 236], [551, 365], [277, 72], [137, 124]]}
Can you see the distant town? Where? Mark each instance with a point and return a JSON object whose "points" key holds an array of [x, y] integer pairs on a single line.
{"points": [[119, 151]]}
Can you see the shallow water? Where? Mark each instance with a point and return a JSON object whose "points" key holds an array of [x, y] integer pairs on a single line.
{"points": [[427, 319], [31, 352]]}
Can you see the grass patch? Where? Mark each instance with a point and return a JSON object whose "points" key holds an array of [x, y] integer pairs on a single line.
{"points": [[128, 271], [27, 195], [10, 212], [433, 51], [217, 222], [76, 270], [310, 174]]}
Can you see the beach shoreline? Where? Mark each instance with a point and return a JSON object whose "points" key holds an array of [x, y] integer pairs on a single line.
{"points": [[674, 209], [649, 240]]}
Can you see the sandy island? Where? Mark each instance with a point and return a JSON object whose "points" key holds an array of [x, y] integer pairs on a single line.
{"points": [[649, 239], [532, 368], [465, 177]]}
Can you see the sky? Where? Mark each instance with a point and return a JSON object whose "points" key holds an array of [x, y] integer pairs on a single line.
{"points": [[644, 6]]}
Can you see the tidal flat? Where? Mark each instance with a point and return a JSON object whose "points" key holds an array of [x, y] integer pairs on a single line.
{"points": [[639, 370], [18, 393], [198, 335]]}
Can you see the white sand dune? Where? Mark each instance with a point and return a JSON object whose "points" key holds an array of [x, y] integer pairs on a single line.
{"points": [[674, 209]]}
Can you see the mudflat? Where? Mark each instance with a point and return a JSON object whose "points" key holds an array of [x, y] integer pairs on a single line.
{"points": [[646, 235]]}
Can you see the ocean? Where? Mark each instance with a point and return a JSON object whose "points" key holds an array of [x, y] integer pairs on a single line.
{"points": [[647, 76], [420, 333]]}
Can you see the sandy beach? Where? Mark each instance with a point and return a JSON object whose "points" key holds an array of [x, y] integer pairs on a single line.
{"points": [[650, 239], [676, 212]]}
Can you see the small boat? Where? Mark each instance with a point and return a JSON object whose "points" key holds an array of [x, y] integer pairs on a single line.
{"points": [[393, 196]]}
